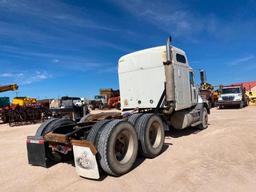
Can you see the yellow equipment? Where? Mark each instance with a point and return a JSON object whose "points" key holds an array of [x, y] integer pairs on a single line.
{"points": [[11, 87], [215, 95], [252, 97], [23, 101]]}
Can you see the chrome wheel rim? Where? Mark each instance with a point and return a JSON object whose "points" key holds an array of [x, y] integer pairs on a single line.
{"points": [[123, 147], [155, 134]]}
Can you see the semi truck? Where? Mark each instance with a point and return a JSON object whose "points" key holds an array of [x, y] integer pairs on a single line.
{"points": [[70, 107], [157, 91]]}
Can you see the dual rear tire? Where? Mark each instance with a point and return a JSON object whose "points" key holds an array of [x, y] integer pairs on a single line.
{"points": [[117, 145], [150, 131], [118, 141]]}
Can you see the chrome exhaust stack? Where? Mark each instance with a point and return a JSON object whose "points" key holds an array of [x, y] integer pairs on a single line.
{"points": [[169, 78]]}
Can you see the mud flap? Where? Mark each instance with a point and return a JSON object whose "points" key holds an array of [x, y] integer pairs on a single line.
{"points": [[85, 159], [37, 151]]}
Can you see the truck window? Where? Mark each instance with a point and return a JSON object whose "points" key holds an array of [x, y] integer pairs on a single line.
{"points": [[180, 58], [191, 78], [230, 90]]}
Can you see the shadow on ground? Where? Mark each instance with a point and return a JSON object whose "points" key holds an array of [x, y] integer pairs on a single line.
{"points": [[229, 107], [175, 133]]}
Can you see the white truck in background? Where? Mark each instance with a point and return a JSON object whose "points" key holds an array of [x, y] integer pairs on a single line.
{"points": [[233, 96], [157, 91]]}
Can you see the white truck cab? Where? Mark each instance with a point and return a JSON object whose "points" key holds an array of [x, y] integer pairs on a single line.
{"points": [[232, 96], [142, 79], [160, 79]]}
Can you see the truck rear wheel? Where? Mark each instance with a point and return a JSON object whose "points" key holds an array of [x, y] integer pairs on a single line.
{"points": [[150, 131], [84, 118], [204, 119], [133, 119], [117, 147], [95, 131], [44, 125], [52, 124]]}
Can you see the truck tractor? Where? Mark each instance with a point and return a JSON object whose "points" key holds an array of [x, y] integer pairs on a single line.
{"points": [[157, 91], [231, 96], [68, 107], [99, 102]]}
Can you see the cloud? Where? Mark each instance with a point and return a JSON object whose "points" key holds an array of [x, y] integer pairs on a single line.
{"points": [[241, 60], [11, 75], [35, 77], [175, 18], [66, 24], [27, 77], [56, 12], [181, 20], [55, 60], [86, 65]]}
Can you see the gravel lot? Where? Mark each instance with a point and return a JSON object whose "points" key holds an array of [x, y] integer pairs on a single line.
{"points": [[220, 158]]}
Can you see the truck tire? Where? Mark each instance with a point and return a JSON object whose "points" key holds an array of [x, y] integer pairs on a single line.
{"points": [[95, 131], [48, 126], [44, 125], [204, 123], [150, 130], [133, 119], [53, 124], [117, 147], [241, 105], [84, 118]]}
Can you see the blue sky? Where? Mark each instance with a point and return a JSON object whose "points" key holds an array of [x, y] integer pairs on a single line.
{"points": [[53, 48]]}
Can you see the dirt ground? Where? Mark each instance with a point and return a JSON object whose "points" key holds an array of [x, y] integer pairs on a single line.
{"points": [[220, 158]]}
